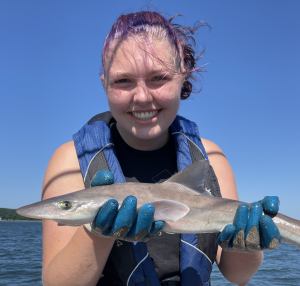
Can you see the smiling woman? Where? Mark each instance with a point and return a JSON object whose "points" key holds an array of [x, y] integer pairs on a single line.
{"points": [[148, 64], [143, 90], [145, 68]]}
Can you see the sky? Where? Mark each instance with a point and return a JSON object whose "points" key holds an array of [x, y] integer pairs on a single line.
{"points": [[50, 55]]}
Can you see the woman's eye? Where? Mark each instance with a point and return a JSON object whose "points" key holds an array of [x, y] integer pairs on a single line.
{"points": [[159, 78], [123, 80]]}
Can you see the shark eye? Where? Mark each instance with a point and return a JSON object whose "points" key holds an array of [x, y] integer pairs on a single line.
{"points": [[65, 205]]}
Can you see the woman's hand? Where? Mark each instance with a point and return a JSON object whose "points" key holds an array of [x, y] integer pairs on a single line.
{"points": [[251, 230], [124, 223]]}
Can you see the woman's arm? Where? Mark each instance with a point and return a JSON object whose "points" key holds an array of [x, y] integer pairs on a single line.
{"points": [[238, 268], [71, 255]]}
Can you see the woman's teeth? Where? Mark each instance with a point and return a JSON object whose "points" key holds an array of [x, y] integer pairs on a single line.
{"points": [[145, 115]]}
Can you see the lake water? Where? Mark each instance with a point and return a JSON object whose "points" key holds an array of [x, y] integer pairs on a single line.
{"points": [[21, 259]]}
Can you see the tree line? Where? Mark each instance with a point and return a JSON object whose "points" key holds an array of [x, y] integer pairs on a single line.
{"points": [[10, 214]]}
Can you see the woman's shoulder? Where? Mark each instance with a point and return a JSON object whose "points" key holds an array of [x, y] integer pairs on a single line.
{"points": [[63, 174], [215, 155], [211, 146], [64, 152]]}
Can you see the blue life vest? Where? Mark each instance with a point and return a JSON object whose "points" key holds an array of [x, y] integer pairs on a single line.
{"points": [[95, 151]]}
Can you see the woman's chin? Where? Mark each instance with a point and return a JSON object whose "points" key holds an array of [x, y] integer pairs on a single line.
{"points": [[154, 137]]}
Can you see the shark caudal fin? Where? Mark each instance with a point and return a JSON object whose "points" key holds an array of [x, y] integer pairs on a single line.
{"points": [[193, 177]]}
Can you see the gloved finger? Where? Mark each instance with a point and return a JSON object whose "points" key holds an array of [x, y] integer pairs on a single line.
{"points": [[157, 226], [125, 217], [106, 216], [240, 224], [143, 223], [252, 230], [269, 233], [271, 205], [224, 239], [102, 178]]}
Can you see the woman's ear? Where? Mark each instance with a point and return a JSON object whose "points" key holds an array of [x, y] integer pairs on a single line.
{"points": [[103, 81]]}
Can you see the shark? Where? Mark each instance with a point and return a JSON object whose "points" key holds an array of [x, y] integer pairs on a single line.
{"points": [[182, 202]]}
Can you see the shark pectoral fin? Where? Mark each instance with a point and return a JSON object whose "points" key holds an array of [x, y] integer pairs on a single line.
{"points": [[168, 210]]}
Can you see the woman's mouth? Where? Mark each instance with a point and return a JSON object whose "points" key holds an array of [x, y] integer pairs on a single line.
{"points": [[145, 115]]}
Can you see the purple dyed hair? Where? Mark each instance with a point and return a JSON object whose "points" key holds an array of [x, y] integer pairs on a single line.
{"points": [[153, 23]]}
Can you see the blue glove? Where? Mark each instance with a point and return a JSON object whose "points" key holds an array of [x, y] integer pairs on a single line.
{"points": [[252, 231], [124, 223]]}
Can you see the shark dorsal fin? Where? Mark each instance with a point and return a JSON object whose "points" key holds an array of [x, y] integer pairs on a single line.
{"points": [[193, 177]]}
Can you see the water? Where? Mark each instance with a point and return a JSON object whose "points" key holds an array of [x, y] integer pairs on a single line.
{"points": [[20, 253], [21, 259], [280, 267]]}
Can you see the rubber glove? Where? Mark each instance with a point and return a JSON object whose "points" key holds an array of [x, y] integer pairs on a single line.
{"points": [[251, 230], [124, 223]]}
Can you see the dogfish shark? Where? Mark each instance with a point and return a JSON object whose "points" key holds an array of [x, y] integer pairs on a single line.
{"points": [[182, 202]]}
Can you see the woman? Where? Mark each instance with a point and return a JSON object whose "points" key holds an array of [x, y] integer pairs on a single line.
{"points": [[147, 64]]}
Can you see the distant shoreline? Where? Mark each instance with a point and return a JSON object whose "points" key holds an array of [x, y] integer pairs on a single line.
{"points": [[12, 215], [23, 220]]}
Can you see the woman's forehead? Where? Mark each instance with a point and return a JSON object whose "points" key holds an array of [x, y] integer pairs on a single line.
{"points": [[141, 54]]}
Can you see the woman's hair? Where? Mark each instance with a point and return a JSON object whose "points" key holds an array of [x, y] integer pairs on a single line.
{"points": [[155, 24]]}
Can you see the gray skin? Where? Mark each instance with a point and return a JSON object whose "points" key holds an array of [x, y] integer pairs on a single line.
{"points": [[182, 202]]}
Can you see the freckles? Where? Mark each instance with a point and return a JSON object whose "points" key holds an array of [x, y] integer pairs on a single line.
{"points": [[113, 93], [118, 101], [168, 96]]}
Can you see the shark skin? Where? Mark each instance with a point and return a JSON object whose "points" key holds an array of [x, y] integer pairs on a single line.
{"points": [[182, 202]]}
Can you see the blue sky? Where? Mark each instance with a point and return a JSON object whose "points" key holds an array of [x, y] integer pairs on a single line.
{"points": [[50, 55]]}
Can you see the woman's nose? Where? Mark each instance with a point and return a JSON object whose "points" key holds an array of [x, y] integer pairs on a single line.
{"points": [[142, 94]]}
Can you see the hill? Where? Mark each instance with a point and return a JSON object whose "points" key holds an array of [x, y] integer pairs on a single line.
{"points": [[11, 214]]}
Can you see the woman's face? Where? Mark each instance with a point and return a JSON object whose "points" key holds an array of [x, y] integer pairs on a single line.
{"points": [[143, 87]]}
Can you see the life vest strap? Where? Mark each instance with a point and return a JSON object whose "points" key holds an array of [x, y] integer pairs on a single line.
{"points": [[95, 151]]}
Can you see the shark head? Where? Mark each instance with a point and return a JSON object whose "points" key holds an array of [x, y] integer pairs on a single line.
{"points": [[67, 209]]}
